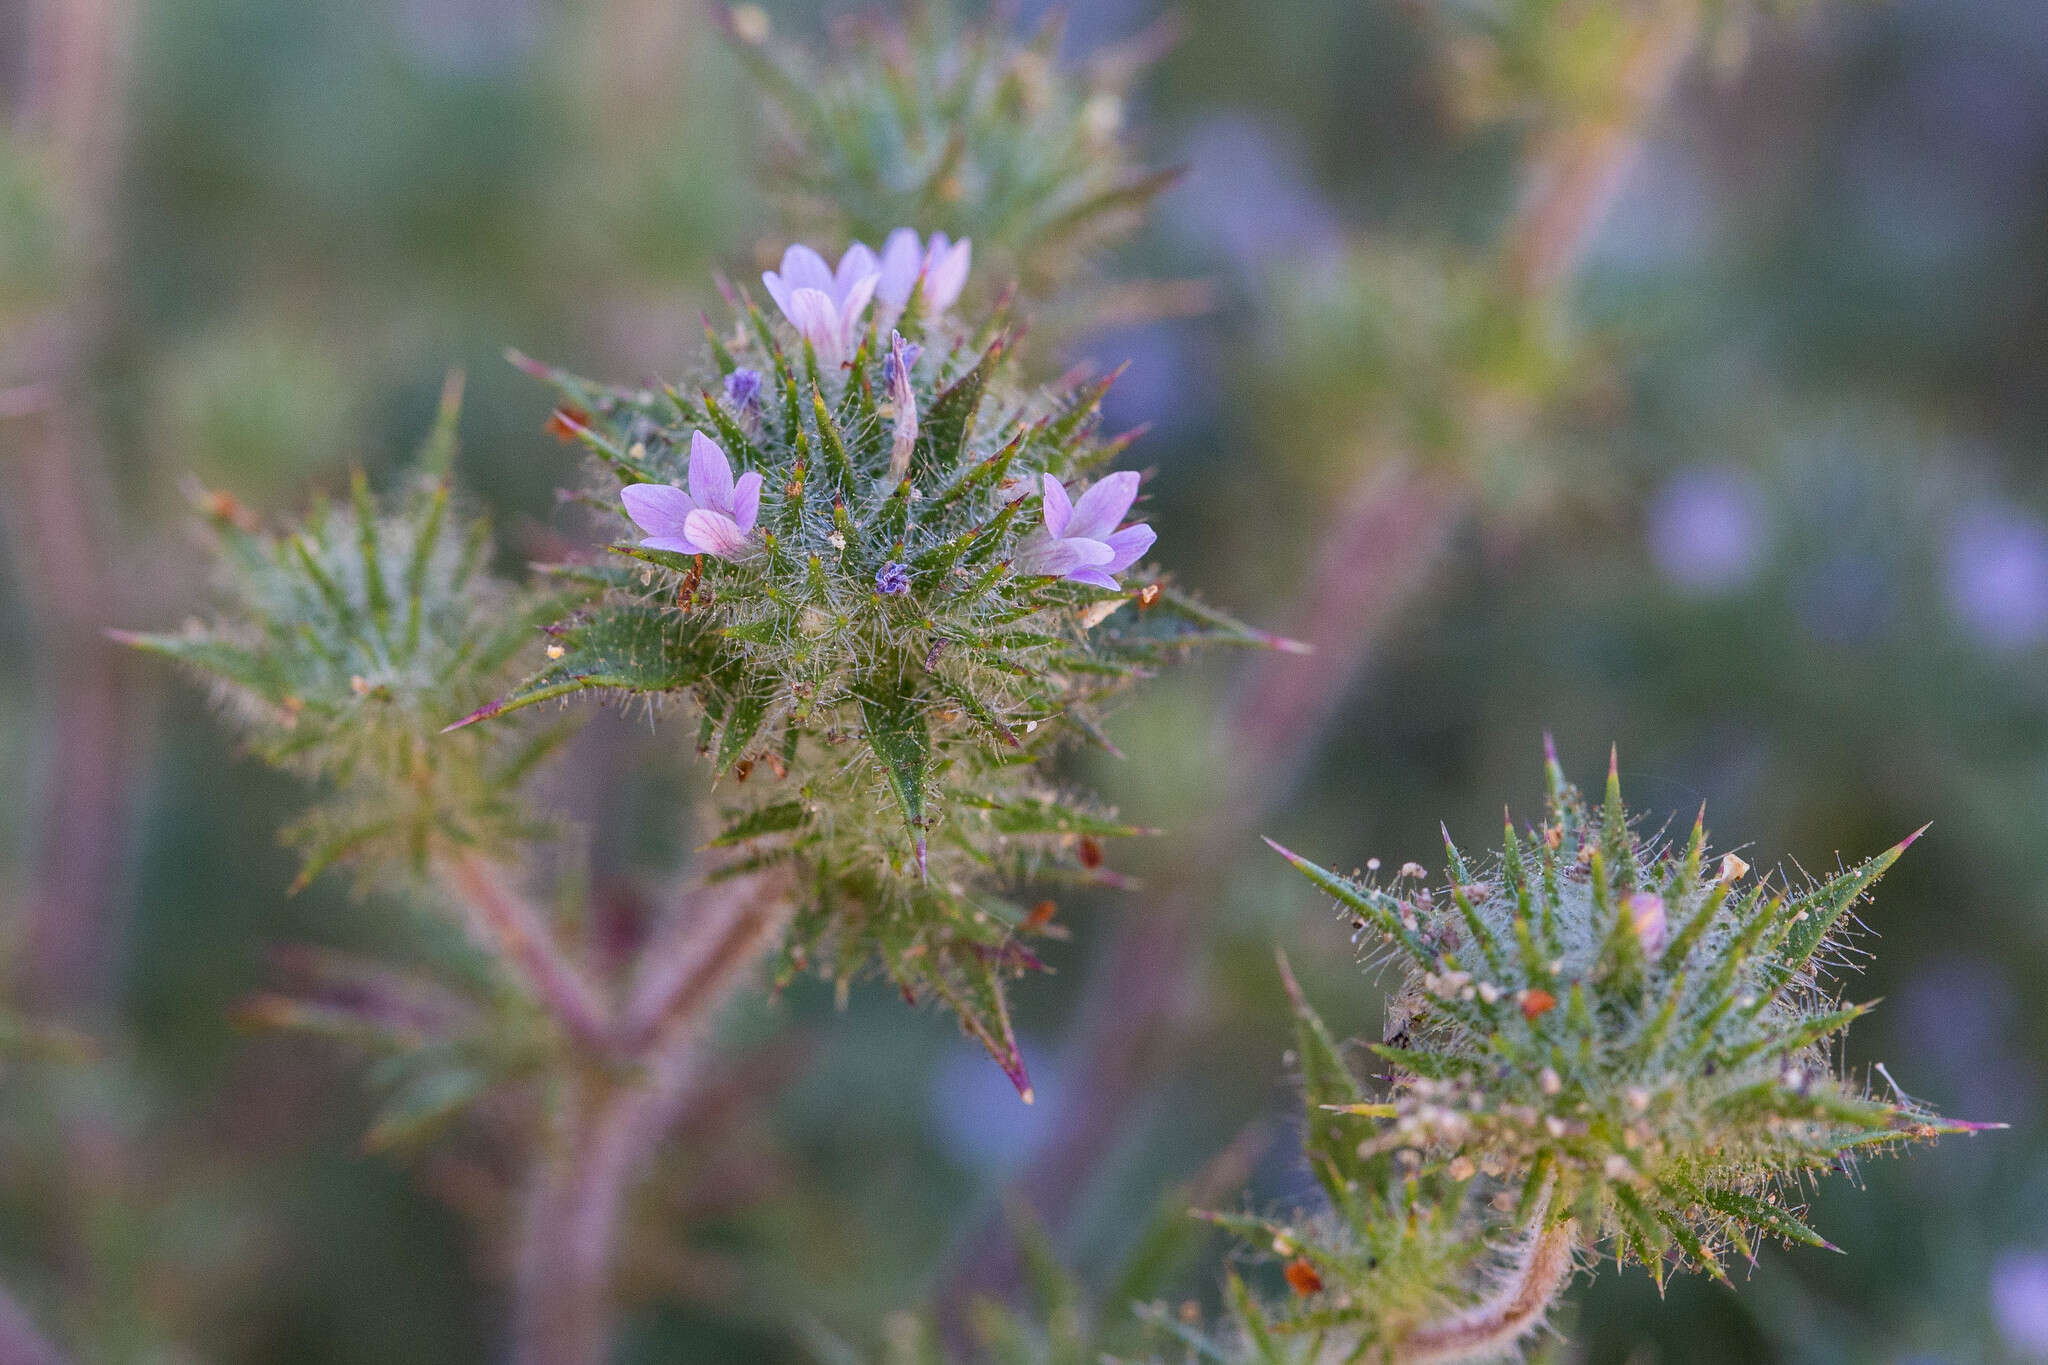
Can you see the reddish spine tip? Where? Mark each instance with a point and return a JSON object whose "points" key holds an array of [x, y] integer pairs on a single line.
{"points": [[484, 712], [1289, 854], [1549, 748], [1907, 842]]}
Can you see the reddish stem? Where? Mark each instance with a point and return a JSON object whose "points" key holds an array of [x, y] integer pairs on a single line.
{"points": [[605, 1127]]}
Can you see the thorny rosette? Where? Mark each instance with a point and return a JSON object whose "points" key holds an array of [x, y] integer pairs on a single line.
{"points": [[347, 642], [886, 590], [965, 129], [1604, 1031]]}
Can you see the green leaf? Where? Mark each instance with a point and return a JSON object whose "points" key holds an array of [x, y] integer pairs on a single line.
{"points": [[1176, 620], [1824, 907], [742, 723], [902, 744], [1050, 817], [946, 426], [232, 664], [1749, 1209], [633, 647], [973, 990], [1330, 1141], [424, 1106], [780, 818], [1377, 908]]}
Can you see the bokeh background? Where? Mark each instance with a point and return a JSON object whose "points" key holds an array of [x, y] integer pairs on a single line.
{"points": [[1790, 552]]}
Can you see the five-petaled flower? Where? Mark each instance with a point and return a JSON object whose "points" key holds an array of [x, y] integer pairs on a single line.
{"points": [[823, 304], [941, 263], [1081, 540], [715, 517]]}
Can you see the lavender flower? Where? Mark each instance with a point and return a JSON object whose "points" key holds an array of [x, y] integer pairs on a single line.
{"points": [[823, 304], [715, 517], [2019, 1301], [1081, 540], [892, 579], [941, 263], [1997, 567], [743, 388]]}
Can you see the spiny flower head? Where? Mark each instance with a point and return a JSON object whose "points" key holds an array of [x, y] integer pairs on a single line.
{"points": [[986, 136], [345, 644], [856, 587], [1640, 1030]]}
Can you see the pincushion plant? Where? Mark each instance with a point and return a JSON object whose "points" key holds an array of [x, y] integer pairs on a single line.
{"points": [[880, 575], [883, 579], [1603, 1043]]}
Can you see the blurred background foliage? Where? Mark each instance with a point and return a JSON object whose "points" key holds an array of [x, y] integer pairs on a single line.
{"points": [[1757, 494]]}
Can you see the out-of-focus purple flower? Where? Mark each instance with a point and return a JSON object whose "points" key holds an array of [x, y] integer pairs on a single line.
{"points": [[896, 369], [975, 1110], [1997, 570], [715, 517], [1251, 195], [743, 387], [1081, 540], [941, 263], [892, 579], [1959, 1014], [823, 304], [2019, 1301], [1707, 529]]}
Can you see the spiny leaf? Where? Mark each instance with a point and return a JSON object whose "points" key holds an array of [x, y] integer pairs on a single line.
{"points": [[633, 647], [901, 742]]}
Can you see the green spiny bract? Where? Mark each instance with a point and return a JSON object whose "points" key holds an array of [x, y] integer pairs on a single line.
{"points": [[349, 641], [886, 743], [966, 130], [1620, 1029], [1405, 1244]]}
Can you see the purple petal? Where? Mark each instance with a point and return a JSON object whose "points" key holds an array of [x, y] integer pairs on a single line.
{"points": [[779, 290], [657, 508], [1042, 554], [850, 307], [1129, 546], [718, 533], [710, 474], [1090, 554], [945, 273], [746, 500], [902, 258], [857, 261], [1059, 510], [1094, 578], [681, 545], [803, 268], [817, 317], [1103, 506]]}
